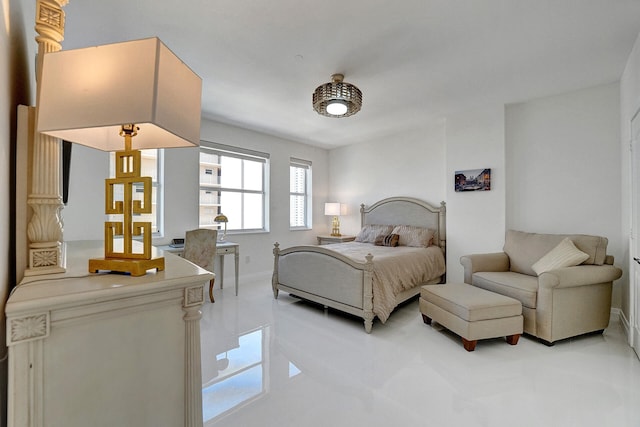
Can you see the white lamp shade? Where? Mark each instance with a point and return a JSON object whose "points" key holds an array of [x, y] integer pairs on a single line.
{"points": [[86, 95], [332, 209]]}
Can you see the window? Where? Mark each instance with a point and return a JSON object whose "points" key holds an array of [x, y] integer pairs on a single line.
{"points": [[299, 193], [233, 182], [151, 165]]}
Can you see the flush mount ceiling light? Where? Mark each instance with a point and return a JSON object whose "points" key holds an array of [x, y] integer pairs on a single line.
{"points": [[337, 99]]}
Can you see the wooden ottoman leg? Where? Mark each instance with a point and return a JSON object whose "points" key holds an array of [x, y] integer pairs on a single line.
{"points": [[426, 319], [469, 345], [211, 290], [513, 339]]}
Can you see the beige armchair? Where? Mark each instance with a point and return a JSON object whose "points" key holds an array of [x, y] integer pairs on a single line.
{"points": [[557, 303]]}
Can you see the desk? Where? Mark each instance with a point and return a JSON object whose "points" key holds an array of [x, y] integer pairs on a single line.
{"points": [[222, 249]]}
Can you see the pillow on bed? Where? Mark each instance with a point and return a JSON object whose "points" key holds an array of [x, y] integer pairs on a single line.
{"points": [[371, 232], [388, 240], [419, 237]]}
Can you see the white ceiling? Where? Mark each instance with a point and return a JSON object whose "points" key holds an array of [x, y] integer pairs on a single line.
{"points": [[414, 60]]}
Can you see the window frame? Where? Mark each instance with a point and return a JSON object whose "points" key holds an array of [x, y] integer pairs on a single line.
{"points": [[242, 154], [305, 165]]}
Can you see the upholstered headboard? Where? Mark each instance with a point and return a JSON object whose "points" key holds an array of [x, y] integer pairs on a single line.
{"points": [[407, 211]]}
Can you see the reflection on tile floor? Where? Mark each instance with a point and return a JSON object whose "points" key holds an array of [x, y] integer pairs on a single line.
{"points": [[284, 362]]}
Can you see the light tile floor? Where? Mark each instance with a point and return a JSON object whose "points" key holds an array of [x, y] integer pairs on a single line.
{"points": [[268, 362]]}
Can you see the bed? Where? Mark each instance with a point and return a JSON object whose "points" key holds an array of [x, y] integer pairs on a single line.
{"points": [[362, 278]]}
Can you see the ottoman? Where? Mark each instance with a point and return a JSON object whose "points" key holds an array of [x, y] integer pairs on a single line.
{"points": [[471, 312]]}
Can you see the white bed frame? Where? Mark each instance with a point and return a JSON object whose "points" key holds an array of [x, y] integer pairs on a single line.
{"points": [[320, 275]]}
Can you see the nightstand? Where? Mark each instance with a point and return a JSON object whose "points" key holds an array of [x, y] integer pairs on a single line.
{"points": [[325, 239]]}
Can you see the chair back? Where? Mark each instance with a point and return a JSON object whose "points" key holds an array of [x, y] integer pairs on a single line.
{"points": [[200, 247]]}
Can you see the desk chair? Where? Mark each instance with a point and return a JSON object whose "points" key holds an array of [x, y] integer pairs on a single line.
{"points": [[200, 249]]}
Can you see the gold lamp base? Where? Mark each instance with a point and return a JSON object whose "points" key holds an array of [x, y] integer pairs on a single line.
{"points": [[335, 227], [128, 166], [135, 267]]}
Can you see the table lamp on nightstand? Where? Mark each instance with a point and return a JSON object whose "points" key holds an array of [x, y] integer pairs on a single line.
{"points": [[222, 218], [334, 209], [122, 97]]}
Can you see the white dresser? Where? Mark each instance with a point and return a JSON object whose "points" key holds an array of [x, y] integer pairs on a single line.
{"points": [[107, 349]]}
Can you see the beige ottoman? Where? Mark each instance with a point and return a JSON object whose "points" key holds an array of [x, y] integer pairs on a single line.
{"points": [[472, 312]]}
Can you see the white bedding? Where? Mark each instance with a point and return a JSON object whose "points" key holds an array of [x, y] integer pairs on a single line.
{"points": [[395, 269]]}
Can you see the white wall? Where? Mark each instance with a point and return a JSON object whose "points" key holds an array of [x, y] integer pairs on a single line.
{"points": [[84, 215], [475, 220], [17, 77], [6, 115], [409, 163], [629, 105], [551, 159], [6, 105], [17, 87], [422, 164], [562, 151], [563, 166], [181, 192]]}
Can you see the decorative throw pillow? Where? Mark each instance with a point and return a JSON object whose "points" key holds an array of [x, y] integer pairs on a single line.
{"points": [[388, 240], [410, 235], [564, 255], [371, 232]]}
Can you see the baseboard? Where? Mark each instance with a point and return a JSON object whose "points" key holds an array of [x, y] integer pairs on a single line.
{"points": [[623, 321], [615, 315], [618, 315]]}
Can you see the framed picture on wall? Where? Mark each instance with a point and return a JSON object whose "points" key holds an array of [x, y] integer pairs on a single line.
{"points": [[473, 180]]}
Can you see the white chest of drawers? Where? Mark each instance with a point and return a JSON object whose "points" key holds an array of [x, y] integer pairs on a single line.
{"points": [[106, 349]]}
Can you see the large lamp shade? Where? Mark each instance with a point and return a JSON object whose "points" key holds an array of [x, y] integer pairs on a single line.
{"points": [[331, 208], [86, 95]]}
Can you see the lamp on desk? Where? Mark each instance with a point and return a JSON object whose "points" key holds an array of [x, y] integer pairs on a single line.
{"points": [[222, 218], [335, 209], [122, 97]]}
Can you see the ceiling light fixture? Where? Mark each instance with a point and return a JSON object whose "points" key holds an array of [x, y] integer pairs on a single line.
{"points": [[337, 99]]}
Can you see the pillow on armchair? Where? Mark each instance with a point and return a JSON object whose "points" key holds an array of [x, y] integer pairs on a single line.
{"points": [[524, 249], [564, 255]]}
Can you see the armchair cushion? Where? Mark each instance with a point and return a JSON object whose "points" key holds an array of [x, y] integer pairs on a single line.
{"points": [[564, 255], [524, 249], [522, 287]]}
